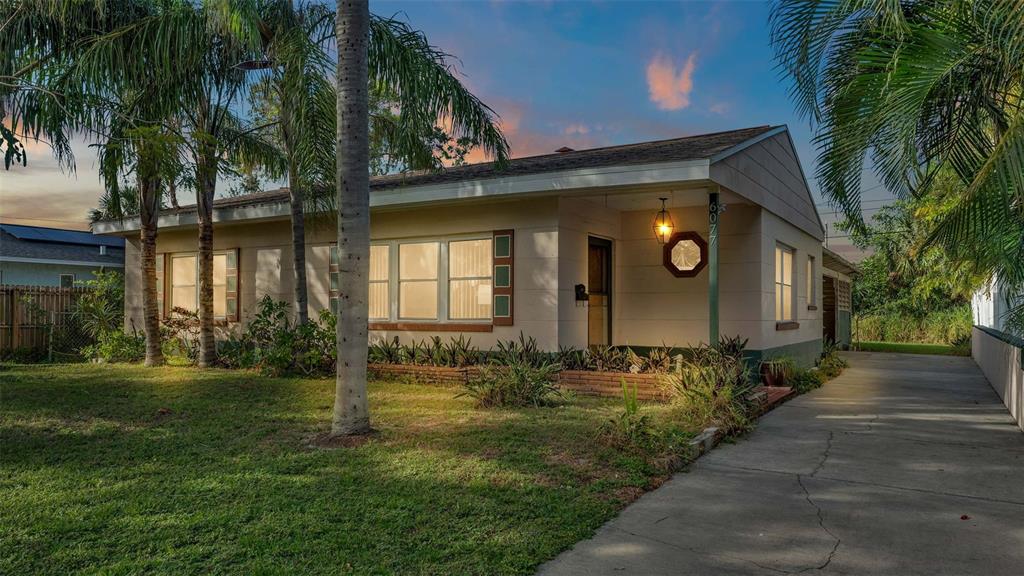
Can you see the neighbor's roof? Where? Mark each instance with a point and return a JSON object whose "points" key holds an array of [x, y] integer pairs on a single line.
{"points": [[696, 147], [36, 244]]}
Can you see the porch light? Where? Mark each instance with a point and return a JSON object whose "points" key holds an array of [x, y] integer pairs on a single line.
{"points": [[663, 226]]}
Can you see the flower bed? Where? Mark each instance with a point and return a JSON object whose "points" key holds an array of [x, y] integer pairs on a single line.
{"points": [[587, 382]]}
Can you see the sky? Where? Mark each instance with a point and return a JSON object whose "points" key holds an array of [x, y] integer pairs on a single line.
{"points": [[577, 74]]}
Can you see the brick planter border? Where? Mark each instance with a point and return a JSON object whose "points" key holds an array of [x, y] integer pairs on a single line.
{"points": [[585, 382]]}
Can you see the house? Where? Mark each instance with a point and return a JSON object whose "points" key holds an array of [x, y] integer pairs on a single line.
{"points": [[561, 247], [36, 256], [836, 298]]}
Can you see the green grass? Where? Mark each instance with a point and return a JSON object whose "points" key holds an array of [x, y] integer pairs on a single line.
{"points": [[910, 348], [125, 470]]}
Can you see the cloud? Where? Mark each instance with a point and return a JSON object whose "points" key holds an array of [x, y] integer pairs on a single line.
{"points": [[670, 89], [576, 128], [720, 108]]}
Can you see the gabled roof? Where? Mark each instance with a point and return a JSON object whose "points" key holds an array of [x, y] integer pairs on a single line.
{"points": [[759, 164], [37, 244], [698, 147]]}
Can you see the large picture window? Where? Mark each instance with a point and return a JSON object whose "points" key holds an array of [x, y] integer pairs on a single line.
{"points": [[417, 280], [783, 283], [469, 279]]}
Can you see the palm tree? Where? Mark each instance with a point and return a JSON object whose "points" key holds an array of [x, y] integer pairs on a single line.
{"points": [[351, 411], [919, 87], [53, 93], [300, 103]]}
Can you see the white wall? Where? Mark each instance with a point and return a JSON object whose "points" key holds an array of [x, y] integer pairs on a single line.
{"points": [[774, 230], [1000, 361]]}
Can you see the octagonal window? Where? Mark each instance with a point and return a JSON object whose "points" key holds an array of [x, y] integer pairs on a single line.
{"points": [[686, 255]]}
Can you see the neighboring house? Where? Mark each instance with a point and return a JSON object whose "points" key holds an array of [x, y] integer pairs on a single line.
{"points": [[560, 247], [36, 256], [990, 304]]}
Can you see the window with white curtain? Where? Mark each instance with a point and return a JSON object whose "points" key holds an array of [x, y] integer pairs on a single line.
{"points": [[783, 283], [469, 279], [417, 280], [380, 300], [185, 283]]}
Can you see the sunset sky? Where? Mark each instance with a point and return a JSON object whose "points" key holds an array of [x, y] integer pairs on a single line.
{"points": [[577, 74]]}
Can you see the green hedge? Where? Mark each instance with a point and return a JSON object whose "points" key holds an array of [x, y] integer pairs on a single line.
{"points": [[941, 327]]}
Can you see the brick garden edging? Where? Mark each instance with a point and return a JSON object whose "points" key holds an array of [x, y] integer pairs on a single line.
{"points": [[585, 382], [610, 383]]}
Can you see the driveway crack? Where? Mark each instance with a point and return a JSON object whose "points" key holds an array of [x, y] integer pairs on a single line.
{"points": [[821, 523], [824, 455]]}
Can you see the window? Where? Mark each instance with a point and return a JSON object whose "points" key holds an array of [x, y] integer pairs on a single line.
{"points": [[185, 283], [67, 280], [469, 279], [812, 294], [417, 280], [783, 284], [380, 293]]}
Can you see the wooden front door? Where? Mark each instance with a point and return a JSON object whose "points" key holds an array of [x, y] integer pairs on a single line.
{"points": [[599, 286], [828, 308]]}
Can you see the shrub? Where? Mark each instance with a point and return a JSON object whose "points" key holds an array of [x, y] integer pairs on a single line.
{"points": [[937, 327], [711, 389], [116, 346], [272, 345], [101, 309], [179, 334], [831, 364], [657, 360], [519, 374], [806, 380], [630, 429]]}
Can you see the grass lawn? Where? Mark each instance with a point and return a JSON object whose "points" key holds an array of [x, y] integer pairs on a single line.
{"points": [[909, 348], [125, 470]]}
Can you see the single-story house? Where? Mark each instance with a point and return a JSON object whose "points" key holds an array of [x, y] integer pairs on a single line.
{"points": [[668, 242], [37, 256]]}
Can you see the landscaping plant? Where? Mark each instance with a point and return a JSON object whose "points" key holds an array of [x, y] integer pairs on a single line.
{"points": [[274, 345], [518, 374], [631, 428], [711, 389]]}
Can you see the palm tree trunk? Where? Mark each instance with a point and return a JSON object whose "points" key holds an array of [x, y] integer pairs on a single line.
{"points": [[149, 211], [351, 412], [298, 246], [207, 183]]}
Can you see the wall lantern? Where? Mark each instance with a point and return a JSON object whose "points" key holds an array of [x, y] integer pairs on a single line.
{"points": [[663, 226]]}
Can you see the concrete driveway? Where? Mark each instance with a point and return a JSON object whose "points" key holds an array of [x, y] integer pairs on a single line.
{"points": [[903, 465]]}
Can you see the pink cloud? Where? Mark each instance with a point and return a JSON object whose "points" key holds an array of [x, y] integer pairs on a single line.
{"points": [[576, 128], [670, 89]]}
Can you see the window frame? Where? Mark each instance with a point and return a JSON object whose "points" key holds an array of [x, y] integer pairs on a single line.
{"points": [[812, 283], [165, 285], [778, 269], [443, 280]]}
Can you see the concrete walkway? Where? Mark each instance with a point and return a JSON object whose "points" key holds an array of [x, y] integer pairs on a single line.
{"points": [[903, 465]]}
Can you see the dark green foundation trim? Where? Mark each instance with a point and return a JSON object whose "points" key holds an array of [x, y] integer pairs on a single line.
{"points": [[805, 354], [843, 332]]}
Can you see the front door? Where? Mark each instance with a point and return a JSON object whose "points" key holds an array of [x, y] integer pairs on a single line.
{"points": [[599, 280], [828, 309]]}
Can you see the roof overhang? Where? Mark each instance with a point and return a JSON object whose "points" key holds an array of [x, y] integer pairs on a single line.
{"points": [[687, 173], [833, 261]]}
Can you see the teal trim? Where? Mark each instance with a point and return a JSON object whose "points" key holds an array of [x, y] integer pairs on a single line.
{"points": [[805, 354], [843, 329], [502, 276], [502, 246], [502, 305], [713, 214]]}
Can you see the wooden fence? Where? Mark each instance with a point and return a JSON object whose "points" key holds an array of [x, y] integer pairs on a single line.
{"points": [[31, 315]]}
